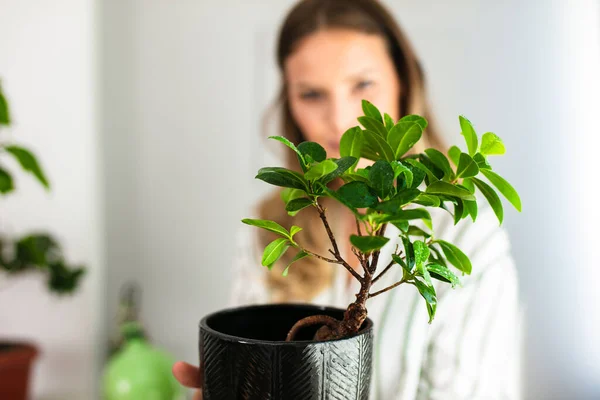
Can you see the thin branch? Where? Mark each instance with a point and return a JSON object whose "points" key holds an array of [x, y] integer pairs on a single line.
{"points": [[340, 262], [358, 230], [387, 288], [390, 265]]}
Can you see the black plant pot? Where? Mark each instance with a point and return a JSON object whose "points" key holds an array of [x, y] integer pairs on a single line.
{"points": [[244, 356]]}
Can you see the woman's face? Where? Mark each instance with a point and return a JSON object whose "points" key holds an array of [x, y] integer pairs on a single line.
{"points": [[329, 74]]}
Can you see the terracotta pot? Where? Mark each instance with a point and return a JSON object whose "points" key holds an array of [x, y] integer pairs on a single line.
{"points": [[16, 359], [244, 356]]}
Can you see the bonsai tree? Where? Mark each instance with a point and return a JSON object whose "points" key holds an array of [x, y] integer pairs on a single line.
{"points": [[396, 189], [36, 251]]}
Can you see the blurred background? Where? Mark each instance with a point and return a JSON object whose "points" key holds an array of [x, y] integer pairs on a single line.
{"points": [[147, 118]]}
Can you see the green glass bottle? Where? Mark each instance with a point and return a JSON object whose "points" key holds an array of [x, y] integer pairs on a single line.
{"points": [[139, 371]]}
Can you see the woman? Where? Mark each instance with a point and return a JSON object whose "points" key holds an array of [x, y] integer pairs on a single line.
{"points": [[332, 54]]}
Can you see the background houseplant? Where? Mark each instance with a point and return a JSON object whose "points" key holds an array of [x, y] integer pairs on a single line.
{"points": [[35, 252], [396, 189]]}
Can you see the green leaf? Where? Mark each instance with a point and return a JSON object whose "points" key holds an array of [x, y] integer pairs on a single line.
{"points": [[409, 254], [428, 293], [268, 225], [427, 200], [422, 167], [401, 262], [320, 170], [389, 122], [290, 145], [468, 184], [371, 111], [439, 160], [504, 187], [416, 231], [6, 182], [458, 211], [367, 244], [403, 136], [469, 133], [466, 167], [448, 189], [492, 198], [294, 206], [379, 145], [343, 164], [29, 163], [289, 194], [274, 251], [481, 161], [381, 178], [294, 230], [335, 195], [400, 168], [491, 145], [314, 150], [471, 208], [415, 118], [407, 215], [4, 110], [282, 177], [368, 152], [454, 154], [352, 142], [350, 177], [373, 125], [443, 274], [358, 195], [394, 205], [455, 256], [421, 252], [301, 254]]}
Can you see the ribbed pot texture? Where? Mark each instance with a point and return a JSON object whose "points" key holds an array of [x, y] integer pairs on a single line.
{"points": [[244, 356]]}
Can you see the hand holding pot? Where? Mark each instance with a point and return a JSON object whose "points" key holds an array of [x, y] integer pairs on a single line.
{"points": [[189, 376]]}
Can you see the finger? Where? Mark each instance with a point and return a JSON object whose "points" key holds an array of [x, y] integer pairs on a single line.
{"points": [[187, 374], [198, 395]]}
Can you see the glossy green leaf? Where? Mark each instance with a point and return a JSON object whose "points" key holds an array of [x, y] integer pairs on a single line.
{"points": [[468, 184], [421, 167], [367, 244], [466, 167], [421, 252], [389, 122], [274, 251], [400, 168], [301, 254], [448, 189], [343, 165], [370, 110], [289, 194], [471, 208], [439, 159], [358, 195], [443, 274], [294, 230], [394, 205], [368, 152], [4, 109], [335, 195], [427, 200], [351, 177], [428, 293], [379, 145], [403, 136], [352, 142], [296, 205], [381, 178], [29, 163], [491, 144], [454, 154], [314, 150], [469, 133], [492, 198], [455, 256], [409, 254], [407, 215], [481, 161], [320, 170], [268, 225], [400, 262], [6, 182], [458, 211], [415, 118], [290, 145], [416, 231], [373, 125], [282, 177], [504, 187]]}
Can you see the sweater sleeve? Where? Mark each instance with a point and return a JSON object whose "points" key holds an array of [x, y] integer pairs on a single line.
{"points": [[248, 275], [473, 350]]}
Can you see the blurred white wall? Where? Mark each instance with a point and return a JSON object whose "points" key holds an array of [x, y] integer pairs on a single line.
{"points": [[48, 71], [185, 83]]}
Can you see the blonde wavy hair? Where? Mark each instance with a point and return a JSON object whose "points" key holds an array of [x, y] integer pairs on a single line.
{"points": [[309, 276]]}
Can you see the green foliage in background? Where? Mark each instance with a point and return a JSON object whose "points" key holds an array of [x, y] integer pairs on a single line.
{"points": [[33, 252], [398, 189]]}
